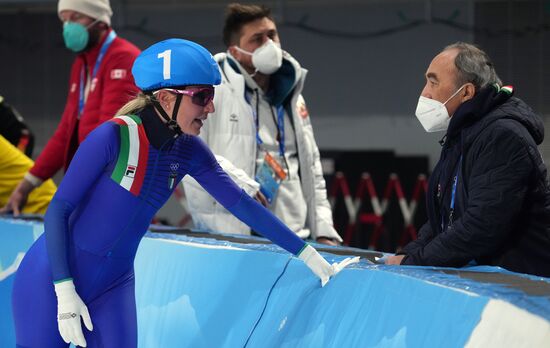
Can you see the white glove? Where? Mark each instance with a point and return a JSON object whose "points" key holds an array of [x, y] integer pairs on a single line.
{"points": [[320, 266], [338, 266], [69, 310]]}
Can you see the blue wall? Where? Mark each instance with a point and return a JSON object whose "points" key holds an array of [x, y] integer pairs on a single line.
{"points": [[194, 292]]}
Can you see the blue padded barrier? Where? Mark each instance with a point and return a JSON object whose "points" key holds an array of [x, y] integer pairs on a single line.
{"points": [[198, 292], [15, 238]]}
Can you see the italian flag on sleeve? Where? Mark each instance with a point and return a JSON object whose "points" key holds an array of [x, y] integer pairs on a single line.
{"points": [[131, 165]]}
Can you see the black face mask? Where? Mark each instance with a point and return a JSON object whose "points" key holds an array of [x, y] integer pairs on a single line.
{"points": [[94, 34]]}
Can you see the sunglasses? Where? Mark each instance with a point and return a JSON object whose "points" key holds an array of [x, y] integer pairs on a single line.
{"points": [[201, 96]]}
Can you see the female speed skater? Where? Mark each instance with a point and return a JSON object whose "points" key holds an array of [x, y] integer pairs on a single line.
{"points": [[125, 170]]}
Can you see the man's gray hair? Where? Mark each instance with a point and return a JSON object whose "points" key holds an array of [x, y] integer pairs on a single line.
{"points": [[474, 66]]}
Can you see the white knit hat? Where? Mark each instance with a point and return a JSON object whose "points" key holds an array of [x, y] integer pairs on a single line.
{"points": [[97, 9]]}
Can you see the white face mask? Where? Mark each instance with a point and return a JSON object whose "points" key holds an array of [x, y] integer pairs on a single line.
{"points": [[433, 114], [267, 58]]}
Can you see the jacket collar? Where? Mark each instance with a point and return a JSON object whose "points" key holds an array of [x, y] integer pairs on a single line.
{"points": [[473, 110]]}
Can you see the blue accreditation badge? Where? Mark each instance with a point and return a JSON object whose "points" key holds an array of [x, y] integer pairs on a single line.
{"points": [[269, 176]]}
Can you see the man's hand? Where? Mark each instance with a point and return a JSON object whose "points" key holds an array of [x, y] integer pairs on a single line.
{"points": [[261, 198], [327, 241], [395, 260], [69, 310], [18, 198]]}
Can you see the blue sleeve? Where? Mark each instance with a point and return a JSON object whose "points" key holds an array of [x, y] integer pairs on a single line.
{"points": [[217, 183], [57, 235], [86, 166]]}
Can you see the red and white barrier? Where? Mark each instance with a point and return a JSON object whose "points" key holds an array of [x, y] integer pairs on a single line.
{"points": [[375, 218]]}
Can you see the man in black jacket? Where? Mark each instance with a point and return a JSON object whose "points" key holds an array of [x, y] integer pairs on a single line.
{"points": [[489, 197]]}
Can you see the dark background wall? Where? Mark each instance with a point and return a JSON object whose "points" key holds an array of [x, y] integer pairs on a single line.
{"points": [[366, 59]]}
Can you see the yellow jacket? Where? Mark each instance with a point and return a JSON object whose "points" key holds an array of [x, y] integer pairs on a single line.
{"points": [[13, 166]]}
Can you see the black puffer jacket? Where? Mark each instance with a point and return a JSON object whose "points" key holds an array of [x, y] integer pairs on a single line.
{"points": [[501, 214]]}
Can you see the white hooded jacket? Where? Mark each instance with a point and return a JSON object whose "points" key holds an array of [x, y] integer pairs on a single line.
{"points": [[230, 132]]}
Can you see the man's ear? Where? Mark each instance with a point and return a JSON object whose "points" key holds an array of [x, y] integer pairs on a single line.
{"points": [[468, 92], [234, 52]]}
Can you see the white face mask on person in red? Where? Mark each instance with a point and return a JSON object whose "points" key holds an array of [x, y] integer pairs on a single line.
{"points": [[433, 114], [267, 58]]}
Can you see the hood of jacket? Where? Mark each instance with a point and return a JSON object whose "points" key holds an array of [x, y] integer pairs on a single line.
{"points": [[490, 104]]}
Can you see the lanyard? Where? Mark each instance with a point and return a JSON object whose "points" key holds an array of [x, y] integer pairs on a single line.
{"points": [[102, 51], [453, 196], [280, 122], [281, 129]]}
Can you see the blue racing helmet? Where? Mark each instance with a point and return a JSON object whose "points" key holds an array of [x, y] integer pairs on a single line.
{"points": [[173, 63]]}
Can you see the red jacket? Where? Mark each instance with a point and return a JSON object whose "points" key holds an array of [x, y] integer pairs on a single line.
{"points": [[111, 88]]}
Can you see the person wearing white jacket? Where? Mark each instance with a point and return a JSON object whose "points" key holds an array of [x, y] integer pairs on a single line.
{"points": [[262, 125]]}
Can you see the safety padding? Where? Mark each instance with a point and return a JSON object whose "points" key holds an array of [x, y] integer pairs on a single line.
{"points": [[195, 292]]}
